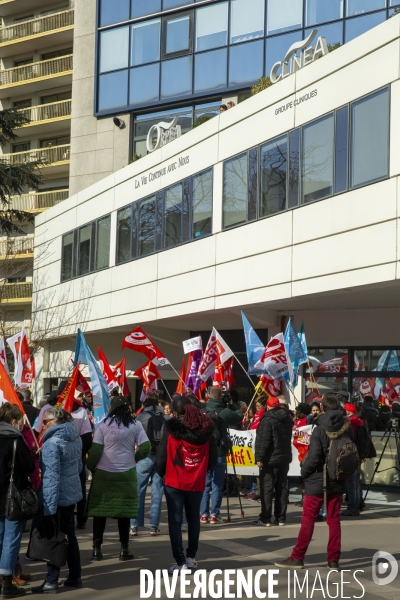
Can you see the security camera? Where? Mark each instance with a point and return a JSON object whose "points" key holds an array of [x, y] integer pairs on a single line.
{"points": [[119, 123]]}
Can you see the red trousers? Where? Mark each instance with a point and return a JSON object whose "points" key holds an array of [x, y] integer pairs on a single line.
{"points": [[311, 507]]}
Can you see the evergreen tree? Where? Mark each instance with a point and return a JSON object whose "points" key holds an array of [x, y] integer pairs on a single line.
{"points": [[15, 177]]}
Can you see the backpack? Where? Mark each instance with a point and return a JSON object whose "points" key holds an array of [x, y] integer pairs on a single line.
{"points": [[187, 465], [365, 446], [155, 430], [220, 431], [342, 461]]}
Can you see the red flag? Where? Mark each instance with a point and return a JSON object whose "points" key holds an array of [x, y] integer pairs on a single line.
{"points": [[269, 386], [107, 370], [180, 388], [224, 372], [120, 375], [24, 366], [67, 397], [7, 391], [83, 386], [138, 341], [148, 373]]}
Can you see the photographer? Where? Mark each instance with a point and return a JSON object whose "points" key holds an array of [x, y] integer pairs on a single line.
{"points": [[225, 415]]}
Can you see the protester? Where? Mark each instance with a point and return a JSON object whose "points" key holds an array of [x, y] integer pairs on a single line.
{"points": [[61, 463], [273, 454], [353, 483], [312, 418], [187, 451], [11, 423], [260, 412], [153, 421], [332, 424], [32, 412], [372, 415], [112, 460], [52, 400], [167, 410], [84, 429], [223, 108], [301, 413], [230, 104], [224, 415]]}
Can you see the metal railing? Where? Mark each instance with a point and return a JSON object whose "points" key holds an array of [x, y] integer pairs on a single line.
{"points": [[10, 331], [46, 112], [13, 291], [39, 200], [37, 26], [42, 68], [16, 246], [50, 155]]}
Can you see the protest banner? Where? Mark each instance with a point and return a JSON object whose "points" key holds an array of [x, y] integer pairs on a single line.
{"points": [[300, 442], [242, 452]]}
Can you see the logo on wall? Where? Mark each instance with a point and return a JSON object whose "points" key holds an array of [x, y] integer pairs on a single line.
{"points": [[165, 132], [292, 62]]}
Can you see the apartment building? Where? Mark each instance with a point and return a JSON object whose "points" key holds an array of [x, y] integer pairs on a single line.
{"points": [[36, 40]]}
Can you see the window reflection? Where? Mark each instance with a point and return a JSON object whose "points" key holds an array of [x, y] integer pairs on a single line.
{"points": [[273, 157], [247, 20], [284, 14], [211, 26], [235, 191], [147, 221], [359, 7], [321, 11], [114, 12], [124, 234], [113, 90], [176, 77], [246, 63], [141, 9], [210, 70], [358, 26], [114, 49], [341, 149], [103, 243], [84, 250], [144, 84], [173, 216], [177, 35], [67, 256], [145, 45], [317, 159], [202, 204]]}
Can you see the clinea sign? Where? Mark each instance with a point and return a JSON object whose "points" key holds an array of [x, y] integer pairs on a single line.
{"points": [[166, 132], [293, 62]]}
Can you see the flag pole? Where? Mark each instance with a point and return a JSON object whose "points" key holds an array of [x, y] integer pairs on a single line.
{"points": [[248, 376], [179, 377], [165, 387]]}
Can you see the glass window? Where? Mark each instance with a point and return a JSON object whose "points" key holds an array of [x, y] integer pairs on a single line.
{"points": [[67, 256], [253, 185], [277, 47], [103, 243], [174, 3], [144, 84], [145, 46], [246, 63], [247, 20], [333, 33], [321, 11], [376, 360], [84, 249], [147, 223], [202, 196], [124, 218], [205, 112], [235, 191], [341, 149], [273, 158], [114, 49], [114, 12], [113, 90], [173, 216], [144, 122], [358, 7], [176, 77], [356, 27], [317, 159], [177, 34], [284, 14], [370, 138], [294, 168], [210, 70], [141, 9], [211, 26]]}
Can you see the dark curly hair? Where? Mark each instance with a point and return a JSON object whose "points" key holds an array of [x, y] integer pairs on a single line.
{"points": [[120, 412], [192, 417]]}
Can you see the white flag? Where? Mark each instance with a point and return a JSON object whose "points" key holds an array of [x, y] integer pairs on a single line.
{"points": [[15, 344], [192, 344], [274, 359], [3, 356], [217, 348]]}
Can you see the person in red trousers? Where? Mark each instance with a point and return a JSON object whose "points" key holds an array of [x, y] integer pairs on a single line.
{"points": [[332, 423]]}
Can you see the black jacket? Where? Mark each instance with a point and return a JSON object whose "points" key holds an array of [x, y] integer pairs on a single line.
{"points": [[24, 463], [274, 438], [177, 429], [331, 425], [31, 412]]}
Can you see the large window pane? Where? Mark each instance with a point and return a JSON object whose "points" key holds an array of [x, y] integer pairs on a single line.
{"points": [[294, 168], [277, 47], [141, 9], [173, 216], [114, 49], [144, 122], [103, 243], [341, 149], [253, 185], [147, 223], [114, 12], [284, 15], [321, 11], [113, 90], [124, 218], [210, 70], [273, 157], [246, 63], [144, 84], [202, 204], [247, 20], [235, 191], [176, 77], [145, 45], [84, 249], [359, 7], [67, 256], [370, 138], [177, 34], [211, 26], [333, 33], [317, 159], [206, 111], [174, 3], [358, 26]]}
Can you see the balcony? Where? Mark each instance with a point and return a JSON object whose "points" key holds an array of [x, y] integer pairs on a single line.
{"points": [[43, 116], [36, 76], [13, 248], [55, 158], [38, 202], [27, 36], [13, 330], [12, 7], [16, 293]]}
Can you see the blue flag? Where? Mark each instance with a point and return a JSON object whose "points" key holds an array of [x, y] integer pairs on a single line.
{"points": [[294, 351], [101, 399], [387, 362], [254, 347], [303, 342]]}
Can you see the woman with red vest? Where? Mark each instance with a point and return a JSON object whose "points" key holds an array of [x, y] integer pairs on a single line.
{"points": [[188, 449]]}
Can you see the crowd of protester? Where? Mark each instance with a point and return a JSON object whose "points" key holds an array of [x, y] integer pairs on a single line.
{"points": [[180, 448]]}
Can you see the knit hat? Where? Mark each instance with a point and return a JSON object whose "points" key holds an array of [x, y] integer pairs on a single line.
{"points": [[273, 402], [118, 401], [304, 408], [349, 407]]}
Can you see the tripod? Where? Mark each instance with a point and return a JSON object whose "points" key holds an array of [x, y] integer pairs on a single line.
{"points": [[393, 427], [228, 520]]}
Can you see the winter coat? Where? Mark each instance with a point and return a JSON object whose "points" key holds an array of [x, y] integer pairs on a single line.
{"points": [[178, 430], [355, 423], [146, 413], [331, 425], [32, 412], [230, 416], [24, 464], [61, 463], [274, 438]]}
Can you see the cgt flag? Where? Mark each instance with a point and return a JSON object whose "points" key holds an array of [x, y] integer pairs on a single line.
{"points": [[3, 356], [224, 373], [274, 360], [67, 398], [149, 374], [107, 370], [120, 375], [138, 341], [7, 391], [268, 385], [217, 349], [24, 365]]}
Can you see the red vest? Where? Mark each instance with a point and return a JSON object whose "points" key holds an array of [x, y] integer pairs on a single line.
{"points": [[186, 465]]}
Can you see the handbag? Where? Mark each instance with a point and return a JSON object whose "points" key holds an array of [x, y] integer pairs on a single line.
{"points": [[20, 505], [53, 551]]}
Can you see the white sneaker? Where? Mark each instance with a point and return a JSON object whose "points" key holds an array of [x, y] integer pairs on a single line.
{"points": [[179, 568], [191, 563], [133, 531]]}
